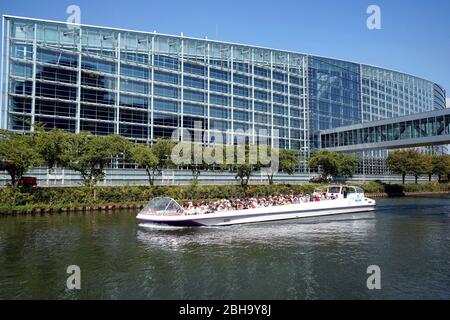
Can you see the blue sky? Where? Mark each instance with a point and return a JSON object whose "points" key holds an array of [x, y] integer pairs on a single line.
{"points": [[415, 35]]}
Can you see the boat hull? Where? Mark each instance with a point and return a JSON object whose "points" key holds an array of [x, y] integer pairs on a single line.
{"points": [[295, 211]]}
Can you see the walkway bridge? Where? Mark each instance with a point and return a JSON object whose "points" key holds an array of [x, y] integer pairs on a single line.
{"points": [[415, 130]]}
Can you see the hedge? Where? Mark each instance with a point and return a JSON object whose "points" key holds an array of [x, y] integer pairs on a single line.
{"points": [[11, 198]]}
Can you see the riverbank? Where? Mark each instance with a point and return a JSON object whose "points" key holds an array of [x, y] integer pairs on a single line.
{"points": [[40, 201]]}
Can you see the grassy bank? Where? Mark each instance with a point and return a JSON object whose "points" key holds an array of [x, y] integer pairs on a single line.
{"points": [[78, 198]]}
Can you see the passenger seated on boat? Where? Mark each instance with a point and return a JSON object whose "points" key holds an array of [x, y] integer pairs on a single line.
{"points": [[204, 207]]}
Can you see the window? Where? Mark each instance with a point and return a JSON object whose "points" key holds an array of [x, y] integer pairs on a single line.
{"points": [[219, 74], [261, 83], [240, 115], [218, 125], [165, 120], [194, 96], [167, 77], [218, 112], [163, 105], [261, 95], [262, 72], [279, 98], [194, 82], [260, 106], [134, 86], [133, 101], [279, 87], [280, 110], [133, 116], [261, 118], [98, 65], [193, 109], [97, 112], [22, 70], [59, 91], [194, 69], [241, 79], [243, 67], [134, 72], [240, 103], [87, 78], [216, 99], [21, 87], [279, 76], [22, 51], [134, 57], [218, 87], [279, 121], [239, 91], [133, 131], [166, 62], [166, 91], [97, 96]]}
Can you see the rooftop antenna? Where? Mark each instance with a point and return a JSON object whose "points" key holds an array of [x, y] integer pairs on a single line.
{"points": [[217, 31]]}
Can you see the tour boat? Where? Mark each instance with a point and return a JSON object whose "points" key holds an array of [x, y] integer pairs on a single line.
{"points": [[340, 200]]}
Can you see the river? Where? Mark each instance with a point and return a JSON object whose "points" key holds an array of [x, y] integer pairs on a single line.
{"points": [[314, 258]]}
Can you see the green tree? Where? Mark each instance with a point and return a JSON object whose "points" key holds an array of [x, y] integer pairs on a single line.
{"points": [[90, 155], [18, 155], [146, 158], [190, 155], [53, 146], [441, 165], [289, 161], [242, 167], [347, 165], [334, 163], [162, 149], [327, 161], [398, 162], [428, 166], [419, 164]]}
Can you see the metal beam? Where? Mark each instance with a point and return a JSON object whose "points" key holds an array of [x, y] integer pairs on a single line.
{"points": [[395, 144]]}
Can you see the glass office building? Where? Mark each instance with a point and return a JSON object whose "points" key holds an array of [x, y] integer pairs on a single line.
{"points": [[144, 85]]}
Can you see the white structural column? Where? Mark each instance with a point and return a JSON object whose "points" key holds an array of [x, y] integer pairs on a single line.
{"points": [[208, 102], [305, 102], [6, 99], [152, 88], [289, 99], [252, 66], [181, 126], [362, 116], [3, 100], [271, 100], [117, 120], [232, 94], [78, 111], [33, 90]]}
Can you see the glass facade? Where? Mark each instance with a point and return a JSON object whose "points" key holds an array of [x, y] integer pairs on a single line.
{"points": [[401, 130], [145, 85]]}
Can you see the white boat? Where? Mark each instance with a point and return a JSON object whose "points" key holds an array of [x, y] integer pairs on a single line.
{"points": [[340, 200]]}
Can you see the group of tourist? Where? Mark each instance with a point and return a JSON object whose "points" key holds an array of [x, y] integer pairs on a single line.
{"points": [[203, 207]]}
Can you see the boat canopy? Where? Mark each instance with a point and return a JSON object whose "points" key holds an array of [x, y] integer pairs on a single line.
{"points": [[163, 206]]}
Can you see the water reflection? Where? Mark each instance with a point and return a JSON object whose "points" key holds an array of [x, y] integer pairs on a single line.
{"points": [[343, 228]]}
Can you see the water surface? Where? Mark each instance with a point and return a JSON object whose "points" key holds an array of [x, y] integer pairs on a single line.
{"points": [[314, 258]]}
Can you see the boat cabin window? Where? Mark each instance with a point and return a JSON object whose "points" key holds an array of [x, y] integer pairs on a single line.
{"points": [[359, 190], [334, 190], [163, 205], [351, 189]]}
